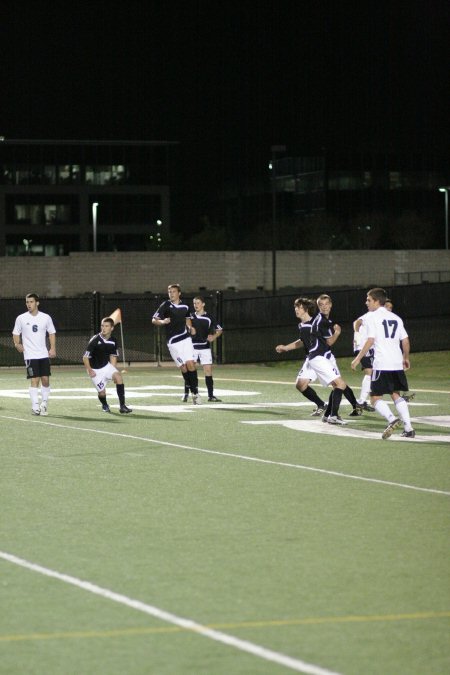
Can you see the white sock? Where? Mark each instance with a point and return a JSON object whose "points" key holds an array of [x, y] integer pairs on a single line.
{"points": [[383, 409], [365, 388], [34, 395], [403, 412], [45, 393]]}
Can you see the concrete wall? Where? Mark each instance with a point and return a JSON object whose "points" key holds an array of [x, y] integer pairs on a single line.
{"points": [[244, 270]]}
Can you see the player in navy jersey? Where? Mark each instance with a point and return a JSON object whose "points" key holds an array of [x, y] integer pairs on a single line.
{"points": [[100, 360], [207, 330], [173, 314], [30, 339], [326, 331], [387, 336], [306, 374]]}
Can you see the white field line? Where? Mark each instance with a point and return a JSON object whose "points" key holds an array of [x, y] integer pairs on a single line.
{"points": [[291, 383], [232, 455], [168, 617]]}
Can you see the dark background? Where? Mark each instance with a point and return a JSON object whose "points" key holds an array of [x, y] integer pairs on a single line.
{"points": [[228, 79]]}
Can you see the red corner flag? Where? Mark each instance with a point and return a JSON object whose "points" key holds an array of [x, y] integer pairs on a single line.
{"points": [[116, 316]]}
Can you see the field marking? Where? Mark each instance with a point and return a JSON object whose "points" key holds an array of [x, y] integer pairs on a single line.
{"points": [[291, 383], [270, 623], [316, 426], [247, 458], [168, 617]]}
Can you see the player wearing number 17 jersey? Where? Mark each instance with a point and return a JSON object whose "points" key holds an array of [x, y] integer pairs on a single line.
{"points": [[385, 333]]}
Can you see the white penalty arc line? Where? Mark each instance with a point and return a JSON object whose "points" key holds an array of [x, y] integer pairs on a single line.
{"points": [[168, 617], [247, 458]]}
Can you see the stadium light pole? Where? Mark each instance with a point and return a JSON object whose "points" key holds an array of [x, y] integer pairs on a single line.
{"points": [[445, 190], [274, 149], [94, 226]]}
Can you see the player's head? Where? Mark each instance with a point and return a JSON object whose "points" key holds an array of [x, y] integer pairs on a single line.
{"points": [[199, 303], [32, 301], [174, 291], [304, 305], [107, 325], [324, 303], [376, 297], [389, 305], [378, 294]]}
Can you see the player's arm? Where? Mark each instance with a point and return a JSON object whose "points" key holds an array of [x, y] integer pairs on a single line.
{"points": [[190, 328], [405, 349], [337, 331], [365, 348], [113, 359], [87, 365], [52, 340], [287, 348], [18, 343], [213, 336], [357, 325], [157, 321]]}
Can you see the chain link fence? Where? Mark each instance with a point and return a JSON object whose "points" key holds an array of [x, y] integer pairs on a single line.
{"points": [[253, 325]]}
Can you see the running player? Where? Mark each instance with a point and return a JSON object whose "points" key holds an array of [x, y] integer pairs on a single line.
{"points": [[385, 334]]}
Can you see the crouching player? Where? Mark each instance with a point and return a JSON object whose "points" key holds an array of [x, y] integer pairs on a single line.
{"points": [[100, 359]]}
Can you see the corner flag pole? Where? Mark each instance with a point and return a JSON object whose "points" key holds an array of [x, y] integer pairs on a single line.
{"points": [[116, 316]]}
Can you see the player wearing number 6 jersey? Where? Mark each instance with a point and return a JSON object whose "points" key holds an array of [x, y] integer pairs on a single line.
{"points": [[385, 333]]}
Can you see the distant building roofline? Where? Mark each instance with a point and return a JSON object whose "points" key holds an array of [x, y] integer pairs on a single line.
{"points": [[32, 141]]}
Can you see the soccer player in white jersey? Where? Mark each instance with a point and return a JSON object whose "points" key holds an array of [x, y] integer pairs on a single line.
{"points": [[30, 339], [385, 333]]}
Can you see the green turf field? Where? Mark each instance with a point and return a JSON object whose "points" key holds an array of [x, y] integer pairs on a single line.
{"points": [[224, 539]]}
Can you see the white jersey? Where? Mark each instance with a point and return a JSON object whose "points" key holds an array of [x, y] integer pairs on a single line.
{"points": [[387, 329], [33, 330], [360, 336]]}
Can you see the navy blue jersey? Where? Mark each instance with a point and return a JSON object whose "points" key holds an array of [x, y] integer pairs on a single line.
{"points": [[204, 325], [99, 350], [321, 329], [305, 334], [175, 330]]}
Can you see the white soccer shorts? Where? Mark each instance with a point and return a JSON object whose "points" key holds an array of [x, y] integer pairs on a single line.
{"points": [[182, 351], [326, 369], [103, 376], [203, 356], [306, 372]]}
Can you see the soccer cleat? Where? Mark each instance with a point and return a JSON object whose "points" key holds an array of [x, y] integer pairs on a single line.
{"points": [[319, 411], [196, 400], [409, 434], [410, 396], [366, 406], [106, 408], [124, 410], [35, 412], [335, 419], [43, 409], [213, 399], [185, 398], [356, 412], [390, 428], [325, 418]]}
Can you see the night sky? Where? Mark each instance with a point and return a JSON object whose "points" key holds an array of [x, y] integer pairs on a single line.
{"points": [[229, 79]]}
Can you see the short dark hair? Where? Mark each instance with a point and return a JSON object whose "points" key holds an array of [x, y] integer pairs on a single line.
{"points": [[307, 304], [32, 295], [109, 320], [199, 297], [174, 286], [378, 294]]}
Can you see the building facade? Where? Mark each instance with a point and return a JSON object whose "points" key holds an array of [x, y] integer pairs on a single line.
{"points": [[62, 196]]}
